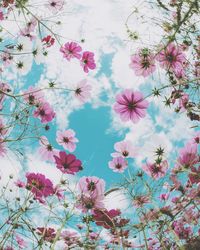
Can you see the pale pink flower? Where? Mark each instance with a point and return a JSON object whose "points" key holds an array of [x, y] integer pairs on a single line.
{"points": [[196, 138], [55, 5], [83, 91], [183, 101], [118, 164], [71, 238], [68, 163], [156, 170], [130, 105], [143, 63], [91, 193], [124, 149], [71, 50], [172, 58], [20, 184], [6, 58], [44, 112], [4, 87], [46, 150], [67, 139], [188, 156], [87, 61], [33, 96]]}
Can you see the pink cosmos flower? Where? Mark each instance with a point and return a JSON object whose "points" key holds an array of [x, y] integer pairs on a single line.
{"points": [[91, 185], [87, 61], [33, 96], [181, 230], [124, 149], [2, 148], [91, 193], [82, 91], [48, 234], [188, 156], [196, 138], [71, 238], [46, 150], [183, 101], [48, 41], [21, 242], [44, 112], [194, 175], [3, 129], [143, 63], [71, 50], [20, 184], [67, 139], [130, 105], [118, 164], [6, 58], [141, 200], [156, 170], [1, 15], [172, 58], [39, 185], [4, 87], [67, 163], [55, 5]]}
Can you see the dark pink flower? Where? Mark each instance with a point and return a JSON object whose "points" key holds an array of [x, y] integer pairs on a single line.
{"points": [[44, 112], [21, 242], [172, 58], [143, 63], [118, 164], [67, 139], [48, 41], [82, 91], [71, 50], [188, 156], [156, 170], [39, 185], [20, 184], [47, 234], [46, 150], [130, 105], [87, 61], [67, 163], [1, 16]]}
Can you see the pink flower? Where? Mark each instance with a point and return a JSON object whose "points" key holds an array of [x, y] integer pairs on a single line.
{"points": [[55, 5], [39, 185], [141, 200], [33, 96], [4, 87], [143, 63], [183, 101], [67, 163], [21, 242], [2, 148], [156, 170], [91, 193], [194, 175], [3, 129], [82, 91], [188, 156], [130, 105], [44, 112], [1, 15], [48, 234], [87, 61], [6, 58], [20, 184], [71, 50], [172, 58], [48, 41], [91, 185], [164, 197], [124, 149], [46, 150], [67, 139], [181, 230], [71, 238], [118, 164]]}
